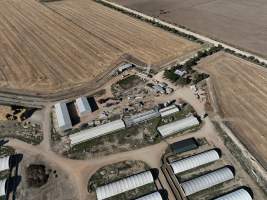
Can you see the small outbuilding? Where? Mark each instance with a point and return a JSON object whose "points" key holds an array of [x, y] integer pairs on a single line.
{"points": [[83, 106], [169, 110], [207, 181], [63, 117], [184, 145], [3, 187], [124, 185], [5, 163], [177, 126]]}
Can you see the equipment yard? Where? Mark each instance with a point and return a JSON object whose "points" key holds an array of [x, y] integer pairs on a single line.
{"points": [[69, 44], [241, 23], [240, 92]]}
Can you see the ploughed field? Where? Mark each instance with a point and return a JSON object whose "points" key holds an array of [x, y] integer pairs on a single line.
{"points": [[241, 23], [46, 48], [240, 90]]}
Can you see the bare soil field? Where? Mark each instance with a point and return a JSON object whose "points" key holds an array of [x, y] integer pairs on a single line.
{"points": [[241, 23], [46, 48], [240, 90]]}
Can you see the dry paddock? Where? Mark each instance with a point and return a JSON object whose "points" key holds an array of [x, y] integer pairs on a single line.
{"points": [[240, 90], [241, 23], [48, 47]]}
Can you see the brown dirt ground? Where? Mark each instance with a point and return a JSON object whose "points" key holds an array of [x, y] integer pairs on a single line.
{"points": [[49, 47], [240, 88], [241, 23]]}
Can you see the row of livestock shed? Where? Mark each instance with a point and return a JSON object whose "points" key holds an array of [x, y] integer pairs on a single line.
{"points": [[124, 185], [210, 179], [120, 124], [153, 196]]}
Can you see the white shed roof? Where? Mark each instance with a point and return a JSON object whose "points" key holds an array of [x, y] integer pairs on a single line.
{"points": [[240, 194], [177, 126], [152, 196], [83, 105], [124, 185], [63, 117], [3, 187], [4, 163], [206, 181], [95, 132], [168, 110], [194, 161]]}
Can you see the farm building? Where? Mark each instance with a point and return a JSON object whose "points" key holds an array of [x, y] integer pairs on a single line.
{"points": [[3, 187], [178, 126], [95, 132], [83, 106], [124, 185], [141, 117], [158, 89], [168, 110], [184, 145], [240, 194], [180, 72], [207, 181], [195, 161], [4, 163], [152, 196], [63, 117], [124, 67]]}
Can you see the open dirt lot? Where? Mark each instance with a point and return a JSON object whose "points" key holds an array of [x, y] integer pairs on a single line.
{"points": [[241, 23], [240, 90], [60, 45]]}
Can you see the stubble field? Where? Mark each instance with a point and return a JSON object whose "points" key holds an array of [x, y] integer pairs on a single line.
{"points": [[240, 90], [241, 23], [46, 48]]}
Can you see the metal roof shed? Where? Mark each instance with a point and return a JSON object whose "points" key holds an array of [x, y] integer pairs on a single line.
{"points": [[184, 145], [124, 185], [195, 161], [240, 194], [3, 184], [4, 163], [152, 196], [96, 132], [177, 126], [83, 106], [207, 181], [63, 117], [168, 110]]}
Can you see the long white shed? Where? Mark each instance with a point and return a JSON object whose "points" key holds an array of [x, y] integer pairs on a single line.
{"points": [[83, 106], [4, 163], [152, 196], [63, 117], [3, 184], [177, 126], [96, 132], [124, 185], [194, 161], [240, 194], [207, 181]]}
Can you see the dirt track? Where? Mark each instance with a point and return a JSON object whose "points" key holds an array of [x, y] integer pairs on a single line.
{"points": [[241, 94], [45, 52], [240, 23]]}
